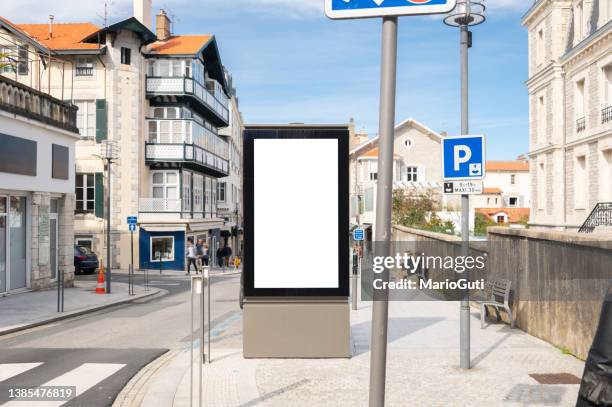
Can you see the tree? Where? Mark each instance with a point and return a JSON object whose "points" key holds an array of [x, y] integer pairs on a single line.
{"points": [[418, 210]]}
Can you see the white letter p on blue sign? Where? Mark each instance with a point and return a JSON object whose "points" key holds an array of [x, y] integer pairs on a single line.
{"points": [[463, 158]]}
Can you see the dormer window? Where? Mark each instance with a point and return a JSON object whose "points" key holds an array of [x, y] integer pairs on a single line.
{"points": [[126, 56]]}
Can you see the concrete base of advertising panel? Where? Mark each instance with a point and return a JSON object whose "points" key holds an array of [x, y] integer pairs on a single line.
{"points": [[296, 329]]}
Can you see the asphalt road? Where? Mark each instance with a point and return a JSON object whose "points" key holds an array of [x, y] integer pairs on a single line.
{"points": [[100, 352]]}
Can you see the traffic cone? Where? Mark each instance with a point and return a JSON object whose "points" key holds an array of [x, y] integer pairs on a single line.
{"points": [[100, 287]]}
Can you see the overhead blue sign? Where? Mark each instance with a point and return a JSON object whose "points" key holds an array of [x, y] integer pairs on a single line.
{"points": [[132, 220], [358, 234], [338, 9], [463, 158]]}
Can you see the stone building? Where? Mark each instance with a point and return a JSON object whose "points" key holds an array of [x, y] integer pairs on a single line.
{"points": [[570, 99]]}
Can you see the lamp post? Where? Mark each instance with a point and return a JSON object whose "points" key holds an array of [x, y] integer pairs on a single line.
{"points": [[467, 13], [109, 154]]}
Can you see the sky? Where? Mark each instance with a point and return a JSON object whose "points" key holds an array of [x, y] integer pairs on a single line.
{"points": [[292, 64]]}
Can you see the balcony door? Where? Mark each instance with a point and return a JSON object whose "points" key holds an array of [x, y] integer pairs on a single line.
{"points": [[3, 243], [17, 234], [53, 239], [165, 190]]}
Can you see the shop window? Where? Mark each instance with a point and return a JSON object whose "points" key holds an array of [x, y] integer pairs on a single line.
{"points": [[162, 246]]}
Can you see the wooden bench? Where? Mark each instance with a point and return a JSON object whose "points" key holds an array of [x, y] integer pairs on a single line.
{"points": [[497, 295]]}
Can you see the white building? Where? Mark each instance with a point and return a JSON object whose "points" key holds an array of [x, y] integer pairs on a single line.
{"points": [[570, 98], [507, 185], [229, 189], [37, 156], [417, 166], [160, 99]]}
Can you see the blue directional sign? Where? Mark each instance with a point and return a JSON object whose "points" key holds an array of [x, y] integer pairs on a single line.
{"points": [[132, 227], [132, 220], [338, 9], [463, 158], [358, 235]]}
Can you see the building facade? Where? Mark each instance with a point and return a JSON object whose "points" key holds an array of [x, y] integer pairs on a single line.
{"points": [[570, 98], [158, 99], [229, 189], [37, 159]]}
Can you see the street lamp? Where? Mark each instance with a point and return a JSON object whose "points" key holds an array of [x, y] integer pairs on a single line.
{"points": [[109, 151], [467, 13]]}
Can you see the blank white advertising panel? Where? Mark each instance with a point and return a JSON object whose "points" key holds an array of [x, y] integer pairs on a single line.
{"points": [[295, 213]]}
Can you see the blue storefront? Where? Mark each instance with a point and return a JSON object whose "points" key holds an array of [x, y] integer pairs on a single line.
{"points": [[170, 245]]}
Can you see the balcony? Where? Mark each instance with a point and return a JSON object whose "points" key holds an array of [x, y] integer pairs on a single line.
{"points": [[192, 156], [160, 205], [580, 125], [24, 101], [606, 115], [215, 103]]}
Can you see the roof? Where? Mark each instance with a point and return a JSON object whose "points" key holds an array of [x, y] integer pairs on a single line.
{"points": [[408, 122], [516, 166], [130, 24], [492, 191], [11, 27], [515, 215], [180, 45], [373, 153], [65, 36]]}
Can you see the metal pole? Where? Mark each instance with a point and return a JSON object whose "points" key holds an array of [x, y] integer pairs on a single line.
{"points": [[63, 288], [108, 230], [380, 307], [191, 351], [132, 260], [354, 277], [202, 356], [464, 315]]}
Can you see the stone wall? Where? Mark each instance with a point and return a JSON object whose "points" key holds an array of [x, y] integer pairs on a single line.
{"points": [[556, 278]]}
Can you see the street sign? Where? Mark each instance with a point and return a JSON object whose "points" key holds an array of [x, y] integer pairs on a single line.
{"points": [[463, 158], [132, 220], [358, 235], [463, 188], [132, 227], [341, 9]]}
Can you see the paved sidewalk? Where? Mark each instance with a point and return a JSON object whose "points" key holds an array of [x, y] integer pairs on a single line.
{"points": [[422, 367], [29, 309]]}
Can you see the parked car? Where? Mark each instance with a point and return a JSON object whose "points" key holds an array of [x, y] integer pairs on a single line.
{"points": [[85, 260]]}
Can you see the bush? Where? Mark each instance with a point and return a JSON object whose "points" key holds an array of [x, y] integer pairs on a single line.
{"points": [[481, 223], [419, 211]]}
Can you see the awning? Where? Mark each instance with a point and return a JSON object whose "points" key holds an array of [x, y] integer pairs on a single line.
{"points": [[163, 228]]}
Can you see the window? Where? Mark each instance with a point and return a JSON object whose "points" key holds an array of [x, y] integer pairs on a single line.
{"points": [[7, 61], [541, 186], [221, 191], [198, 192], [501, 219], [408, 143], [162, 246], [606, 192], [85, 193], [540, 47], [86, 118], [412, 174], [84, 242], [373, 172], [606, 113], [84, 66], [513, 201], [541, 121], [164, 185], [126, 56], [23, 63], [186, 191], [512, 179], [580, 183], [579, 103]]}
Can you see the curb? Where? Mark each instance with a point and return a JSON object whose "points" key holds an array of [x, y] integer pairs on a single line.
{"points": [[76, 313]]}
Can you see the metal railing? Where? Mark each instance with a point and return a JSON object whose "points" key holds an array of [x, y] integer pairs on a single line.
{"points": [[22, 100], [186, 152], [188, 86], [83, 71], [600, 216], [156, 205], [606, 115], [580, 125]]}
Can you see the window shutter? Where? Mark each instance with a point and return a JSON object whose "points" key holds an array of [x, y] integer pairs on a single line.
{"points": [[101, 120], [99, 207]]}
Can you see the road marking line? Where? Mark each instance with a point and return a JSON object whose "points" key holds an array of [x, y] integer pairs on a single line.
{"points": [[83, 377], [8, 370]]}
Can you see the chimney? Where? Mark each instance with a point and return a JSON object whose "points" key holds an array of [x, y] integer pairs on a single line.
{"points": [[51, 17], [142, 12], [162, 29]]}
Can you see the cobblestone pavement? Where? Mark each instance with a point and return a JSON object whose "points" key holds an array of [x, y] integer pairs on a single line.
{"points": [[422, 367]]}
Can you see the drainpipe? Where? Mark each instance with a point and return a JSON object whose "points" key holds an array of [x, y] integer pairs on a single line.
{"points": [[564, 150]]}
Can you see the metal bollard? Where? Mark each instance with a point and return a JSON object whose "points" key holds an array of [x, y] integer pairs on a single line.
{"points": [[197, 288], [207, 280]]}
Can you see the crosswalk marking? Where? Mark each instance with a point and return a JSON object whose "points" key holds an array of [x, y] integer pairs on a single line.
{"points": [[83, 377], [8, 370]]}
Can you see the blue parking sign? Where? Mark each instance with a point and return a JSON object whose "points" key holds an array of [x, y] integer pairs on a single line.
{"points": [[338, 9], [463, 157], [358, 234]]}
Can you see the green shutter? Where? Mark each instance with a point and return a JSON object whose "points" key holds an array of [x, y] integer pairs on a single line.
{"points": [[101, 120], [99, 195]]}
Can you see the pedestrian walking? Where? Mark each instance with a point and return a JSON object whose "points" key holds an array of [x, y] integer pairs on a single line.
{"points": [[205, 257], [227, 254], [191, 257], [199, 255], [220, 257]]}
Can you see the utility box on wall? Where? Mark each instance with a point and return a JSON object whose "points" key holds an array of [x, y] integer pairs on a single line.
{"points": [[296, 263]]}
